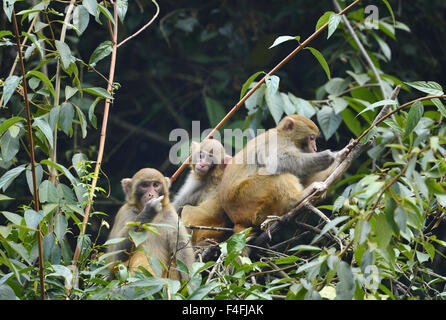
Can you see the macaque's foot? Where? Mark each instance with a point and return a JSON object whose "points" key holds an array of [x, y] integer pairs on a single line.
{"points": [[269, 220]]}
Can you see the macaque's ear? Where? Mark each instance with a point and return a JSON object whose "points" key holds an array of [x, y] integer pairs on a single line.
{"points": [[288, 124], [226, 160], [168, 183], [126, 184]]}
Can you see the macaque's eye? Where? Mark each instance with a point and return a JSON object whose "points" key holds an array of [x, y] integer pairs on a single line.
{"points": [[202, 155], [144, 184], [156, 184], [312, 137]]}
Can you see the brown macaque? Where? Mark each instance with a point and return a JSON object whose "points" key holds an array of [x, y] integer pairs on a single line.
{"points": [[273, 172], [198, 197], [147, 201]]}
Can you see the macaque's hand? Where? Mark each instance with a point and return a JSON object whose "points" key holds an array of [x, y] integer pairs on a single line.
{"points": [[155, 204]]}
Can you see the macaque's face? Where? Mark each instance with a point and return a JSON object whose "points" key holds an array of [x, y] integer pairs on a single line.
{"points": [[204, 162], [149, 189], [311, 143]]}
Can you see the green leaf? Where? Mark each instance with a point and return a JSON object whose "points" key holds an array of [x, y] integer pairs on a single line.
{"points": [[379, 104], [42, 124], [10, 145], [202, 291], [91, 115], [333, 24], [82, 120], [14, 218], [345, 288], [39, 176], [66, 115], [138, 237], [328, 121], [415, 113], [8, 7], [429, 87], [62, 169], [329, 226], [81, 18], [106, 13], [122, 9], [102, 51], [33, 218], [9, 87], [70, 91], [390, 10], [353, 124], [48, 192], [215, 111], [6, 292], [60, 226], [303, 247], [283, 39], [91, 6], [44, 78], [10, 175], [321, 60], [440, 106], [303, 107], [324, 19], [101, 92], [64, 53], [248, 83], [383, 231], [17, 247], [272, 97], [384, 46]]}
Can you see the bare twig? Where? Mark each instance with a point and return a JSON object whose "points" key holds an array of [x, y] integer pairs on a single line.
{"points": [[362, 49], [253, 89], [142, 28], [32, 155]]}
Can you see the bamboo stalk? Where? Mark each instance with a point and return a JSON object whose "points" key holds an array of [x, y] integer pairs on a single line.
{"points": [[103, 130], [32, 155]]}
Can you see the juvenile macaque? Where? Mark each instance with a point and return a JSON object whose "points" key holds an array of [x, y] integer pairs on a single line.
{"points": [[147, 201], [272, 173], [198, 196]]}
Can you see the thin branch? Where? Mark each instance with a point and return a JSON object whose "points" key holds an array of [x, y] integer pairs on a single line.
{"points": [[362, 49], [103, 132], [144, 27], [32, 155], [253, 89]]}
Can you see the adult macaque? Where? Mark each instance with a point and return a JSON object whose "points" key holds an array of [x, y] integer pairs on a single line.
{"points": [[147, 201], [272, 173], [198, 196]]}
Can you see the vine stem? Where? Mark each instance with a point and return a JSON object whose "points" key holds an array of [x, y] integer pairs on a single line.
{"points": [[114, 35], [253, 89], [32, 155]]}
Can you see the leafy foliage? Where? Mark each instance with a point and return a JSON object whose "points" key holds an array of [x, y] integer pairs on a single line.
{"points": [[384, 240]]}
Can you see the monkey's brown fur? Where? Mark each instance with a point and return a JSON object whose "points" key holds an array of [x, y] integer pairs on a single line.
{"points": [[249, 192], [172, 242], [199, 197]]}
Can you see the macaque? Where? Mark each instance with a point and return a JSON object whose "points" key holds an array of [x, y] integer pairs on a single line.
{"points": [[273, 172], [147, 201], [198, 196]]}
